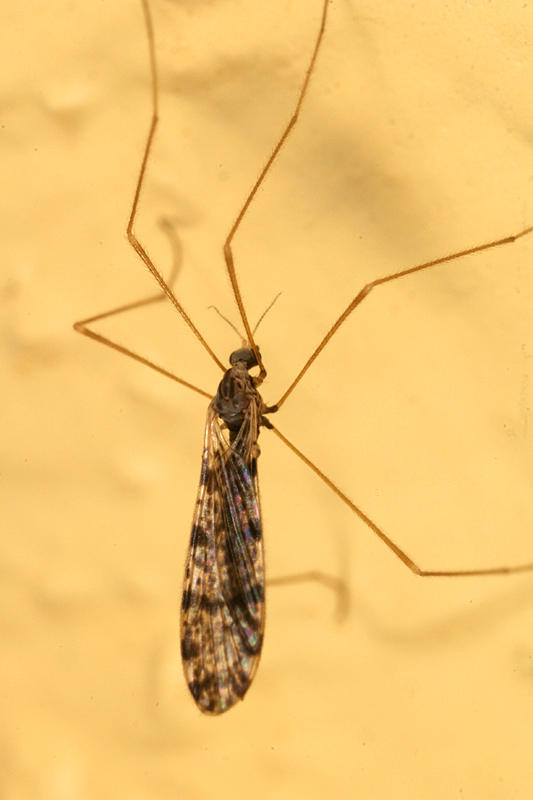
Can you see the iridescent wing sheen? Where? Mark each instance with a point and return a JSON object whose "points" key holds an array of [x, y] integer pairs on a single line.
{"points": [[222, 614]]}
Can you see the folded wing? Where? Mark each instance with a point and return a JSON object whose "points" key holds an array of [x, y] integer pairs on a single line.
{"points": [[223, 600]]}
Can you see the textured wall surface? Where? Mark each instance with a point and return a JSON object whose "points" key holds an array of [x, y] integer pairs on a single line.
{"points": [[415, 141]]}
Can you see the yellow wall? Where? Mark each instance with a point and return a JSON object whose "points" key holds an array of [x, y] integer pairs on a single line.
{"points": [[415, 141]]}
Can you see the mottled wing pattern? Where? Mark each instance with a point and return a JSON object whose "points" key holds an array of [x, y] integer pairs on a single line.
{"points": [[223, 600]]}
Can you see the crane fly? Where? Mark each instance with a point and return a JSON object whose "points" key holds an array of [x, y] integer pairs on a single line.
{"points": [[222, 616]]}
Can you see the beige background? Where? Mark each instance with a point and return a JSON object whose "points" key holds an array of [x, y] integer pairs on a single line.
{"points": [[415, 141]]}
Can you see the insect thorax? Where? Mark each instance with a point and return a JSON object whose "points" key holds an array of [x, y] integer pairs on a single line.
{"points": [[236, 394]]}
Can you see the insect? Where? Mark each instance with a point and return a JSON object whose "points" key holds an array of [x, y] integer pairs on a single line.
{"points": [[223, 600]]}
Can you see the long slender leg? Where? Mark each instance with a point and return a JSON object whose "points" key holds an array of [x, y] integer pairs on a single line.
{"points": [[401, 554], [228, 253], [132, 238], [365, 291], [82, 325], [169, 228]]}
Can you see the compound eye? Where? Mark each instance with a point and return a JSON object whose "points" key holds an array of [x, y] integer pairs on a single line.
{"points": [[244, 355]]}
